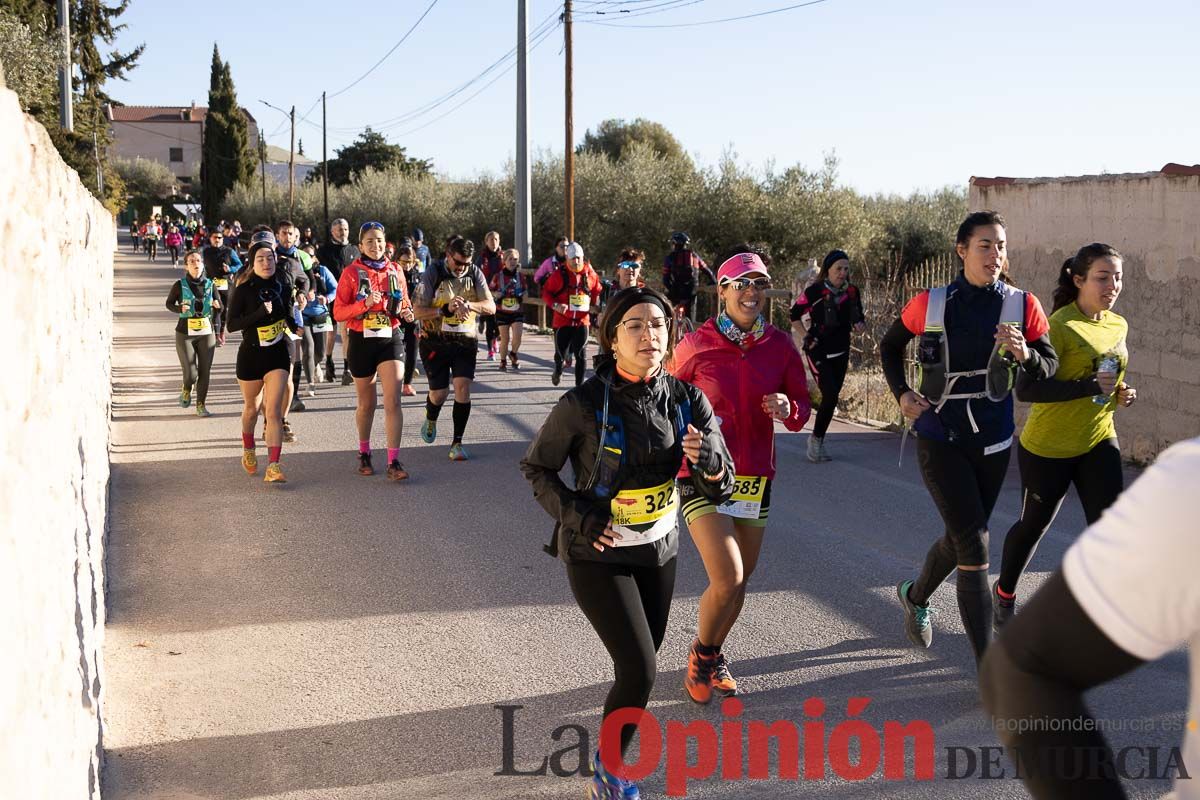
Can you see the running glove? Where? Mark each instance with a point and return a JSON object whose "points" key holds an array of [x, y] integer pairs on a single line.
{"points": [[709, 462]]}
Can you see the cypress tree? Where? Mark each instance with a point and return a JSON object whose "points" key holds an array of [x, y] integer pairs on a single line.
{"points": [[226, 156]]}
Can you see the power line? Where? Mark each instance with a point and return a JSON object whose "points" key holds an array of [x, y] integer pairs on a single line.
{"points": [[643, 11], [705, 22], [545, 25], [387, 54]]}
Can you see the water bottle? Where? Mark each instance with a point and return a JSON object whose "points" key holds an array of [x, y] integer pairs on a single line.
{"points": [[1109, 363]]}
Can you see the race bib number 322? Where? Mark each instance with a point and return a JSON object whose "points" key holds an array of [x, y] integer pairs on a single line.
{"points": [[644, 515]]}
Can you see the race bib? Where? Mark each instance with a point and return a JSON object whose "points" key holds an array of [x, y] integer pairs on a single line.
{"points": [[645, 515], [459, 324], [221, 283], [199, 326], [746, 501], [270, 334], [510, 303], [377, 325], [579, 302], [324, 327]]}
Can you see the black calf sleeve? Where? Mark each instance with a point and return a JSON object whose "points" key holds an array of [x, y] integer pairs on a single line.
{"points": [[975, 608], [462, 412]]}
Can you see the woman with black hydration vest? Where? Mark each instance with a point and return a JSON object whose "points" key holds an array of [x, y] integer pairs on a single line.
{"points": [[626, 431], [976, 334]]}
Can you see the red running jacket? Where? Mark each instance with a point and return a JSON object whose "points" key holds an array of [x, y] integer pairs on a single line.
{"points": [[735, 380], [563, 283]]}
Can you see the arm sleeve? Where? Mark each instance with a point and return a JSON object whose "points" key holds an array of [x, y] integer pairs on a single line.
{"points": [[1042, 362], [705, 421], [560, 436], [173, 297], [891, 356], [1052, 390], [795, 386], [239, 318], [235, 263], [1049, 655]]}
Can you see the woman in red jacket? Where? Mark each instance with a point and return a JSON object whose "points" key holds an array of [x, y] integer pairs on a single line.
{"points": [[753, 376], [372, 299], [572, 290]]}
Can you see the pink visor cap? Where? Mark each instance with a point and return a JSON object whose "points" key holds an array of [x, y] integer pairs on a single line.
{"points": [[739, 265]]}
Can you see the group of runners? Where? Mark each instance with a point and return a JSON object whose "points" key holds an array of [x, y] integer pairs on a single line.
{"points": [[671, 425]]}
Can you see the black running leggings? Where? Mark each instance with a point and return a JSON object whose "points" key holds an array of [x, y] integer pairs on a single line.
{"points": [[571, 340], [964, 484], [1098, 479], [628, 607], [410, 350], [831, 374]]}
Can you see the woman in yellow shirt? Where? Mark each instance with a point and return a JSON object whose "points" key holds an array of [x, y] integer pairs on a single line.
{"points": [[1070, 436]]}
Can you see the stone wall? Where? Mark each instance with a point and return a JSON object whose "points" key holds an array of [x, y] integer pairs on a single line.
{"points": [[1154, 220], [56, 260]]}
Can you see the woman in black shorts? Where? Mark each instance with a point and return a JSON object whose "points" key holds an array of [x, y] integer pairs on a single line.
{"points": [[372, 299], [508, 290], [260, 306]]}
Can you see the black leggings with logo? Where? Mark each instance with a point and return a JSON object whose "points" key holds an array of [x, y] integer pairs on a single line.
{"points": [[964, 484], [628, 607], [1098, 479]]}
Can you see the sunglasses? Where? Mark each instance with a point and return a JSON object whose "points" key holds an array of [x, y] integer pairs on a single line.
{"points": [[370, 226], [742, 284], [629, 265]]}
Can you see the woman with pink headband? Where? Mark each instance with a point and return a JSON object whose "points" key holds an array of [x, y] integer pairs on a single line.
{"points": [[752, 376]]}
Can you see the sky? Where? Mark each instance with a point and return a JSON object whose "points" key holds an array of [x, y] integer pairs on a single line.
{"points": [[908, 94]]}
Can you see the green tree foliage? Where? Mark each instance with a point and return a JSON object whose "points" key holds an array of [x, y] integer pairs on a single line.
{"points": [[94, 28], [917, 227], [226, 159], [145, 178], [30, 66], [371, 151], [616, 137]]}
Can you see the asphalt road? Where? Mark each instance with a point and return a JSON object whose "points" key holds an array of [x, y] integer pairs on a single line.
{"points": [[347, 638]]}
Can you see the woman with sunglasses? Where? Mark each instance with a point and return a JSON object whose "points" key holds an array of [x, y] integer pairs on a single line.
{"points": [[822, 319], [616, 528], [508, 290], [372, 299], [752, 376], [260, 306], [193, 298], [629, 268]]}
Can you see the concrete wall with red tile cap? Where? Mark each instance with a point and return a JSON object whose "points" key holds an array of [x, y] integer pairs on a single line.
{"points": [[1153, 219]]}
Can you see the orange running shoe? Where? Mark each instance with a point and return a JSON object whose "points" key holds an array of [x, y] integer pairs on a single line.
{"points": [[723, 682], [274, 474], [698, 681], [249, 462], [397, 472]]}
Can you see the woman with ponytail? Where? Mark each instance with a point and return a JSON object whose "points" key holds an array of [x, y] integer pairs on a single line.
{"points": [[1071, 436]]}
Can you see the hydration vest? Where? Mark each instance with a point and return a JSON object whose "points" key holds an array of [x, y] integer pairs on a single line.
{"points": [[933, 355], [188, 299], [610, 452]]}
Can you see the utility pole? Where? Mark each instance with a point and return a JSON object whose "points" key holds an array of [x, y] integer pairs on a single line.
{"points": [[262, 165], [324, 166], [64, 70], [292, 170], [523, 229], [569, 182]]}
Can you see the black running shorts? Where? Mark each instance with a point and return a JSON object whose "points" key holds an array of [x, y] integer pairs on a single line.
{"points": [[254, 362], [442, 356], [365, 355]]}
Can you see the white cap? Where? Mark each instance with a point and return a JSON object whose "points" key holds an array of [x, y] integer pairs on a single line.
{"points": [[574, 250]]}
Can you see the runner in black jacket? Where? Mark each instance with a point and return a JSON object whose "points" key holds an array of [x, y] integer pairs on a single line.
{"points": [[623, 573]]}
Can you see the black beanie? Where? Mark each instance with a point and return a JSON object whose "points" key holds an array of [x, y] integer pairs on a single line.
{"points": [[833, 257], [626, 299]]}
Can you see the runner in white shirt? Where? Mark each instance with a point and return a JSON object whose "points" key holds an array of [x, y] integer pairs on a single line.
{"points": [[1127, 594]]}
